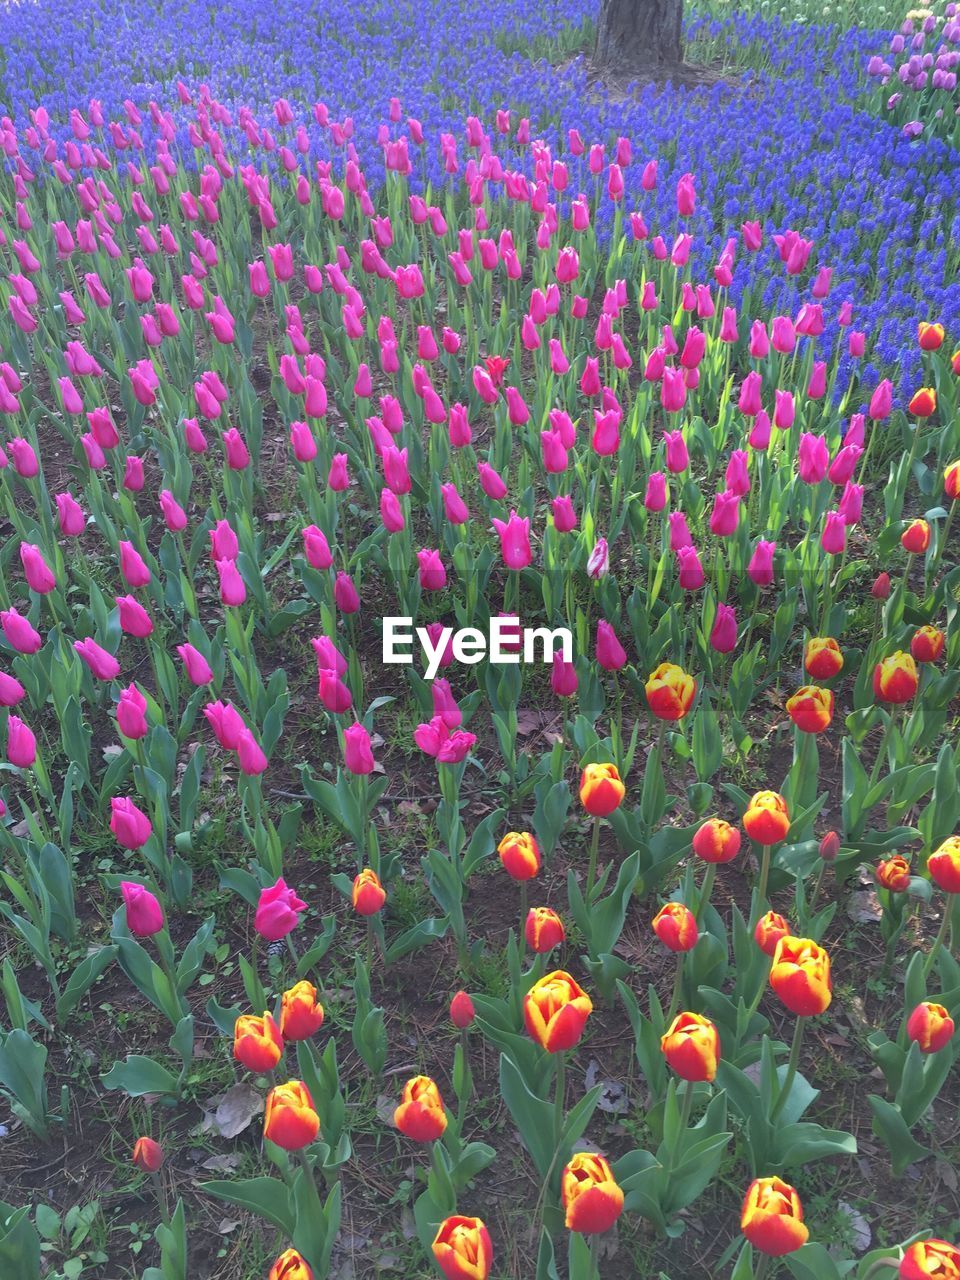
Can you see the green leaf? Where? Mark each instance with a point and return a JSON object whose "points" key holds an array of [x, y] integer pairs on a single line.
{"points": [[138, 1075], [266, 1197]]}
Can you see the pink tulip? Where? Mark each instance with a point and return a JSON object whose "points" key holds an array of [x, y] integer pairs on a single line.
{"points": [[454, 507], [881, 402], [357, 750], [70, 515], [36, 570], [725, 515], [278, 911], [738, 473], [690, 573], [563, 677], [18, 632], [233, 590], [514, 536], [433, 575], [760, 568], [102, 664], [130, 826], [198, 670], [345, 594], [21, 744], [131, 713], [655, 498], [134, 619], [133, 569], [834, 536], [564, 515], [226, 722], [677, 457], [11, 690], [611, 655], [250, 755], [490, 482], [813, 458], [445, 704], [144, 912], [316, 549], [723, 634]]}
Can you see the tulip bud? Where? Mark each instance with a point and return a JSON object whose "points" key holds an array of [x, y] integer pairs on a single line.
{"points": [[368, 893], [772, 1217], [147, 1155], [881, 587], [462, 1012], [420, 1115], [462, 1248], [291, 1265], [591, 1197], [830, 847]]}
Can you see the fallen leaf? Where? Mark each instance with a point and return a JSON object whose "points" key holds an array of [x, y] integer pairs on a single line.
{"points": [[613, 1096], [237, 1109]]}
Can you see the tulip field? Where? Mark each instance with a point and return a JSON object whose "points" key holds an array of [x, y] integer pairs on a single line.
{"points": [[479, 644]]}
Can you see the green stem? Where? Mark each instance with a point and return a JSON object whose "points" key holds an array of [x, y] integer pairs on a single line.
{"points": [[706, 889], [792, 1065], [763, 1270], [882, 749], [882, 1264], [558, 1101], [939, 940], [764, 877], [592, 865], [677, 988], [816, 888], [523, 918]]}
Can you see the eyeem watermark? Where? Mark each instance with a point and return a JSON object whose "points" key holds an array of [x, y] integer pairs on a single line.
{"points": [[469, 645]]}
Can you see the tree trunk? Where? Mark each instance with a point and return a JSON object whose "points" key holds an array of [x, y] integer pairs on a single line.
{"points": [[638, 34]]}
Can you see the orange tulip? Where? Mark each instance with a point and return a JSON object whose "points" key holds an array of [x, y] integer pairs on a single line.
{"points": [[930, 1260], [916, 537], [801, 976], [930, 1026], [301, 1014], [420, 1114], [895, 678], [951, 480], [767, 819], [369, 894], [601, 790], [944, 865], [822, 657], [716, 841], [927, 644], [462, 1249], [893, 874], [290, 1266], [591, 1197], [811, 708], [543, 930], [770, 929], [290, 1120], [555, 1011], [691, 1047], [670, 691], [257, 1042], [929, 336], [676, 927], [147, 1155], [519, 855], [924, 403], [772, 1217]]}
